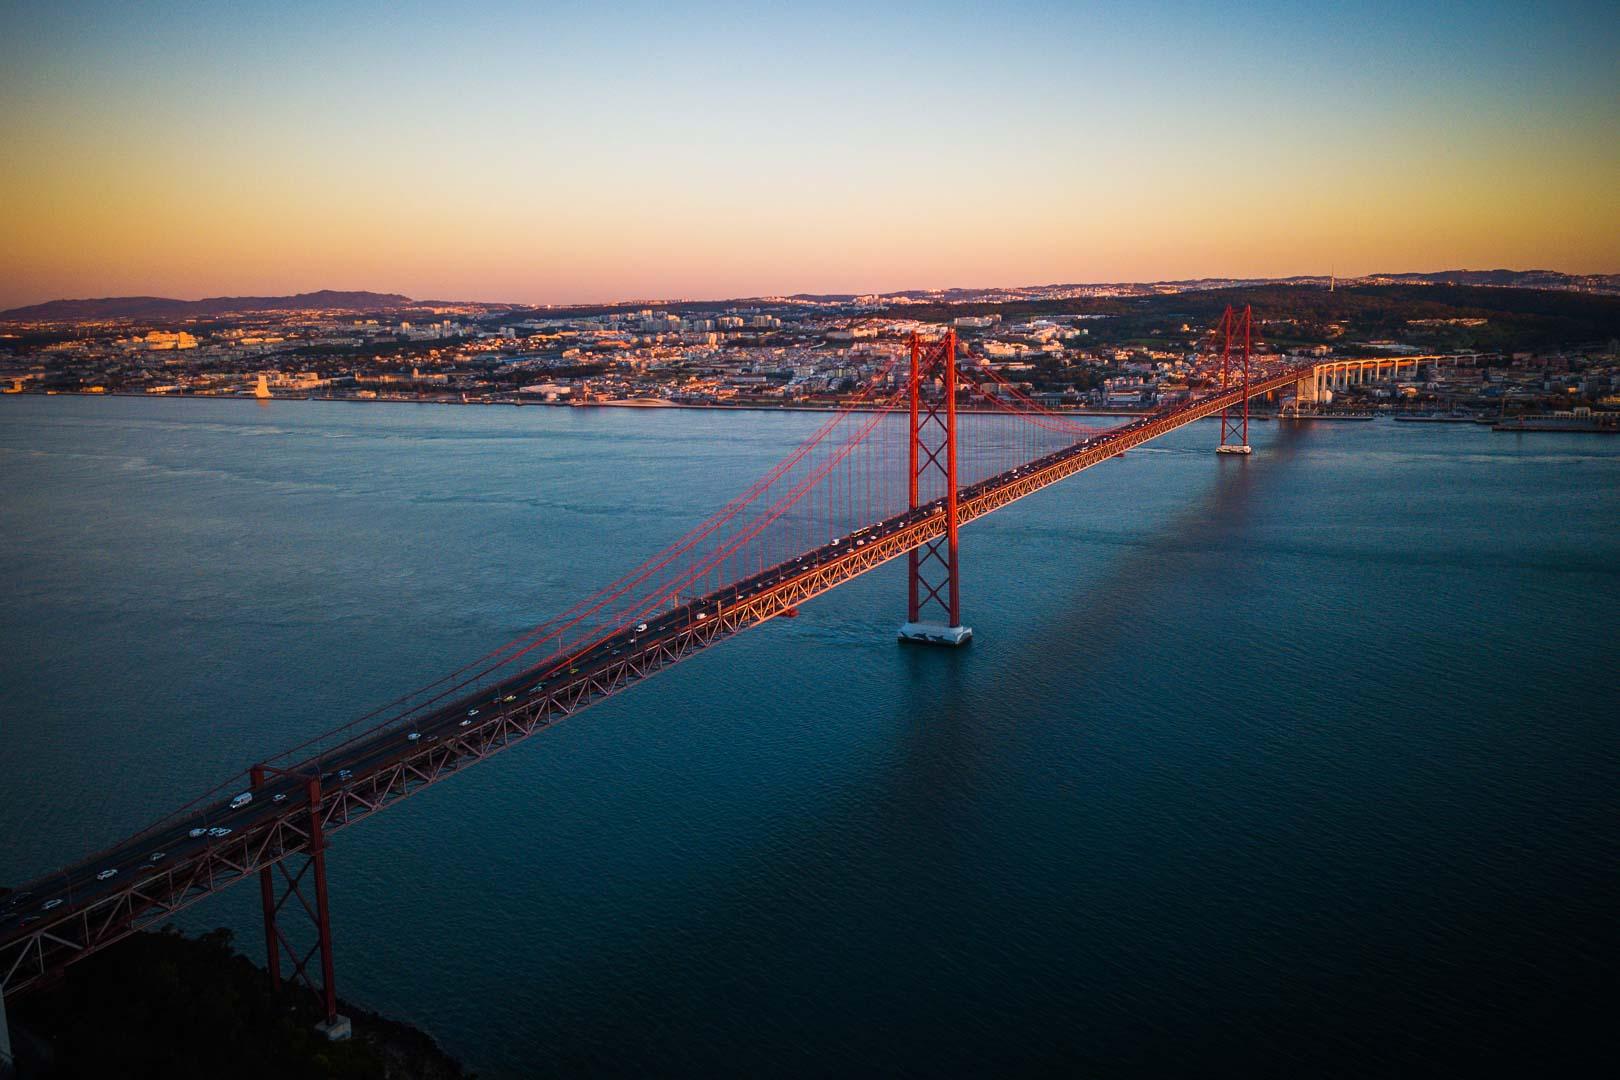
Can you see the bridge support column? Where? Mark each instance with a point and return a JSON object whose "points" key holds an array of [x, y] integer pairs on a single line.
{"points": [[1235, 430], [934, 586], [308, 888]]}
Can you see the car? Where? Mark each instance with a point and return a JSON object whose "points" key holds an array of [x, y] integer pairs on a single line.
{"points": [[465, 723], [344, 774], [472, 712], [432, 738], [220, 830], [107, 874], [49, 904], [573, 671], [509, 698], [241, 800], [197, 832], [157, 856], [278, 798], [413, 736], [702, 615], [641, 628]]}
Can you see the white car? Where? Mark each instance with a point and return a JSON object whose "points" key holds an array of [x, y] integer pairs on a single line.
{"points": [[702, 615], [472, 712], [641, 628], [105, 874], [53, 903], [197, 832], [278, 798], [157, 856], [465, 723], [220, 830], [241, 800], [413, 736]]}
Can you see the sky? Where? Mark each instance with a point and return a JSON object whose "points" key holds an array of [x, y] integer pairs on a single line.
{"points": [[565, 153]]}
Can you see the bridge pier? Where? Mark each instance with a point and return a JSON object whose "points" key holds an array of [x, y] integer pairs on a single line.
{"points": [[1308, 391], [334, 1026], [933, 436], [933, 633]]}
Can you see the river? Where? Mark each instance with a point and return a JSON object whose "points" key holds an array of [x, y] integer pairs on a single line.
{"points": [[1305, 762]]}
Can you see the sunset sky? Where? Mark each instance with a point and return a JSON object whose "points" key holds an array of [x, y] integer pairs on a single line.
{"points": [[578, 152]]}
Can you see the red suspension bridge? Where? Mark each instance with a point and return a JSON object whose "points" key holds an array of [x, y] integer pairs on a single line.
{"points": [[894, 473]]}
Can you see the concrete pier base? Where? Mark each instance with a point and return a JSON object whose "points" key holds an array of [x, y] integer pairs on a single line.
{"points": [[936, 633], [337, 1030], [1241, 449]]}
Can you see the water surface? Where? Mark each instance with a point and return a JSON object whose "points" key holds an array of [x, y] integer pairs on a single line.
{"points": [[1305, 762]]}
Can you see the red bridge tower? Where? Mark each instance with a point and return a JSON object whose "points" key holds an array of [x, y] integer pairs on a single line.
{"points": [[1235, 332], [934, 603]]}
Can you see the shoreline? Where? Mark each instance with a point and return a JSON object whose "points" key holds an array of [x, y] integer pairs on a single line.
{"points": [[1534, 424], [647, 405], [191, 986]]}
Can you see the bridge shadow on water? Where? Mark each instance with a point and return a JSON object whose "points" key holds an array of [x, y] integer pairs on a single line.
{"points": [[1212, 528], [872, 936]]}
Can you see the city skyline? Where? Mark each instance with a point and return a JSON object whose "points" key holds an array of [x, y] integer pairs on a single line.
{"points": [[721, 150]]}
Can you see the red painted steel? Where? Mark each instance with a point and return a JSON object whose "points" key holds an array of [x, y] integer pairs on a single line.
{"points": [[951, 523], [267, 901], [323, 914], [911, 473], [1235, 432], [277, 940], [933, 570]]}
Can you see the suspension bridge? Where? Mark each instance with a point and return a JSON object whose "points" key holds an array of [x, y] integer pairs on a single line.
{"points": [[928, 444]]}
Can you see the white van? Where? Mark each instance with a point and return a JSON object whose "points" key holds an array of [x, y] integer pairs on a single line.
{"points": [[241, 800]]}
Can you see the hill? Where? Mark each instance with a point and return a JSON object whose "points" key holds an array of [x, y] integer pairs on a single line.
{"points": [[158, 307]]}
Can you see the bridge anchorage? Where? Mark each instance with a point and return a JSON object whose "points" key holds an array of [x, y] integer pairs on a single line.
{"points": [[932, 568]]}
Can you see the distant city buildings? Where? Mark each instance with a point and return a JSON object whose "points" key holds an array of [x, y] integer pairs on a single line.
{"points": [[788, 352]]}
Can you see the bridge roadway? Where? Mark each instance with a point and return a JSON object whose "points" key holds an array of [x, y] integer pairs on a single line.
{"points": [[62, 918]]}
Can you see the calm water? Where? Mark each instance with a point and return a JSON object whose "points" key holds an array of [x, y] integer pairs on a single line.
{"points": [[1305, 763]]}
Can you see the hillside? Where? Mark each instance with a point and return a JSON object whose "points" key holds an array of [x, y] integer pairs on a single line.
{"points": [[158, 307]]}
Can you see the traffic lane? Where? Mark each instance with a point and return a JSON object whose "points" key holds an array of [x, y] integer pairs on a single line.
{"points": [[149, 857]]}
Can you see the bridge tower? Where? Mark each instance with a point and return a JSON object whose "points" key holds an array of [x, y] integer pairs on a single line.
{"points": [[1235, 333], [934, 600]]}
